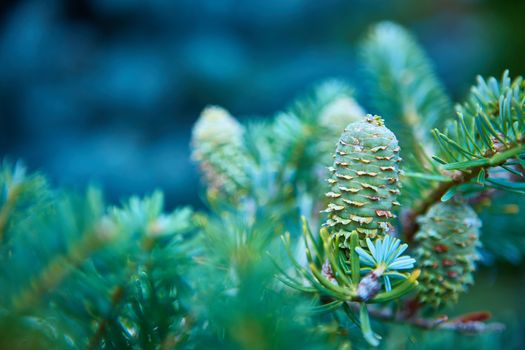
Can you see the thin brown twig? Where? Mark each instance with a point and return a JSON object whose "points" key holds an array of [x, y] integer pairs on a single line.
{"points": [[458, 325], [57, 270], [410, 225], [116, 296], [5, 211]]}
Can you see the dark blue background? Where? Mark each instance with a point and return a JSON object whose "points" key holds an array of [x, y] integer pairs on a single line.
{"points": [[107, 90]]}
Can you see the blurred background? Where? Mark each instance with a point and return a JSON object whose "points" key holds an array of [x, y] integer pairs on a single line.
{"points": [[106, 91]]}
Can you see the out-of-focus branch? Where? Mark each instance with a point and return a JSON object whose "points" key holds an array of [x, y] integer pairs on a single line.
{"points": [[469, 324]]}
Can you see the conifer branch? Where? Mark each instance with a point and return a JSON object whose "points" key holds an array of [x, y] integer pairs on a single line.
{"points": [[146, 217], [458, 177], [116, 297], [488, 132], [403, 86], [17, 189], [409, 219], [461, 324], [145, 291], [12, 197], [61, 266]]}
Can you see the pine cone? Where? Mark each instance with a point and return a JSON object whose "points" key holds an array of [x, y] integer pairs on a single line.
{"points": [[218, 148], [364, 180], [448, 239]]}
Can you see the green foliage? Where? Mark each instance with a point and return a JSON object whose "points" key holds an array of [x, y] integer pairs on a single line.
{"points": [[341, 277], [107, 278], [236, 294], [77, 273], [20, 191], [402, 85], [483, 148], [304, 136], [140, 279], [489, 132], [337, 277], [502, 216], [327, 109]]}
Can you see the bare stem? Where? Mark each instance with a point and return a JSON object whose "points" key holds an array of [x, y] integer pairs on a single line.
{"points": [[7, 208], [410, 225], [116, 296], [459, 325]]}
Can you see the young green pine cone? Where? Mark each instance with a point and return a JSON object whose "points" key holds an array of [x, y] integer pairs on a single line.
{"points": [[448, 239], [364, 180], [218, 148]]}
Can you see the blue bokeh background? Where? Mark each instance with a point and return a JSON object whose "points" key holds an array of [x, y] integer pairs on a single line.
{"points": [[106, 91]]}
